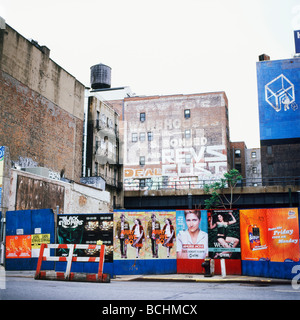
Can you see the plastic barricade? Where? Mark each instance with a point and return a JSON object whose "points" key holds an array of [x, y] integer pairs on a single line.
{"points": [[68, 275]]}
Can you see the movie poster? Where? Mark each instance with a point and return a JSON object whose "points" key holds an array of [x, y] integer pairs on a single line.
{"points": [[86, 229], [270, 234], [192, 237], [144, 234], [224, 234]]}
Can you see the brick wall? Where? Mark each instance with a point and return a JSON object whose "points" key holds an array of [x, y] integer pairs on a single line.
{"points": [[37, 130], [41, 108]]}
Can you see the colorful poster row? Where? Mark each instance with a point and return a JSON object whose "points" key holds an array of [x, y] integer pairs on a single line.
{"points": [[254, 235], [270, 234]]}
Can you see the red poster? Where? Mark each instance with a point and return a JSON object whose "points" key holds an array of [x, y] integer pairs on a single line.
{"points": [[18, 246]]}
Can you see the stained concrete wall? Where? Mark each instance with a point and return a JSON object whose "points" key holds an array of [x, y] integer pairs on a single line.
{"points": [[29, 191]]}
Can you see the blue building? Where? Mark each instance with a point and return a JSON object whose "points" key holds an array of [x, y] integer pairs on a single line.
{"points": [[278, 84]]}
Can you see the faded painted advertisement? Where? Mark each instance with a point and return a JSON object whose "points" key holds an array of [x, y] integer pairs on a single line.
{"points": [[170, 144]]}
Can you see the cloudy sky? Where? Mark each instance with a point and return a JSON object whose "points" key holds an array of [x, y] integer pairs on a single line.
{"points": [[166, 46]]}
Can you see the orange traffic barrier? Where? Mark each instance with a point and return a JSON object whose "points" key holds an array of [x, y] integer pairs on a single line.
{"points": [[68, 275]]}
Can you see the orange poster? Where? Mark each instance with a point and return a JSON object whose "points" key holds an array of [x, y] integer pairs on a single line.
{"points": [[18, 246], [254, 235], [270, 234], [283, 234]]}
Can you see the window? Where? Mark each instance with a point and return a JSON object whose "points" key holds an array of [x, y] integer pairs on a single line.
{"points": [[142, 183], [238, 167], [98, 120], [96, 169], [134, 137], [142, 161], [253, 154], [188, 158], [150, 136], [142, 136], [187, 113], [237, 153], [142, 116], [270, 168], [187, 134], [269, 149], [254, 169]]}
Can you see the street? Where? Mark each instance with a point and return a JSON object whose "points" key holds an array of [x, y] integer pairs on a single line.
{"points": [[26, 288]]}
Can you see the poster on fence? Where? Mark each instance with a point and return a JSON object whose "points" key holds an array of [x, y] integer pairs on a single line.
{"points": [[144, 234], [18, 246], [86, 229], [270, 234], [192, 237], [224, 234]]}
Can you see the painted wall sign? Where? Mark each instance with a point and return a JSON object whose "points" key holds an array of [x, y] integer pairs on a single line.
{"points": [[279, 99]]}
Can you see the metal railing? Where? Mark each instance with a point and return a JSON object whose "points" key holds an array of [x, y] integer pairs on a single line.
{"points": [[149, 184]]}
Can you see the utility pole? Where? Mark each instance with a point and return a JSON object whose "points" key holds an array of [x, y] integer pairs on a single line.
{"points": [[4, 192]]}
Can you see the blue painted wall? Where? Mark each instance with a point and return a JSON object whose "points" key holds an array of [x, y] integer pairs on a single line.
{"points": [[29, 220], [278, 84]]}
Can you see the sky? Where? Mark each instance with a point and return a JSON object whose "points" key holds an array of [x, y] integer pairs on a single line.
{"points": [[163, 47]]}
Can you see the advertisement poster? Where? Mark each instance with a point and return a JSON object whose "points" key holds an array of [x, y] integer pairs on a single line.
{"points": [[270, 234], [18, 246], [254, 234], [279, 98], [86, 229], [144, 234], [36, 241], [192, 237], [224, 234]]}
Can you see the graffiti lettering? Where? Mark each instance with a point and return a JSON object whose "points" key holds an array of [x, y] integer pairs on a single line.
{"points": [[179, 155]]}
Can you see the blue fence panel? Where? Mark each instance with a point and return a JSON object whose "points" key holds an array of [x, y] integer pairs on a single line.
{"points": [[28, 222]]}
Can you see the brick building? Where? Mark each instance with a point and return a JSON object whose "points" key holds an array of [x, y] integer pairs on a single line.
{"points": [[238, 157], [103, 147], [41, 107], [175, 141]]}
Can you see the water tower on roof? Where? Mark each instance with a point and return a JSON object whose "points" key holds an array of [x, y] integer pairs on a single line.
{"points": [[100, 76]]}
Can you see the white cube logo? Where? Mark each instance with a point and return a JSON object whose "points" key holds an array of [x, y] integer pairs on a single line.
{"points": [[280, 93]]}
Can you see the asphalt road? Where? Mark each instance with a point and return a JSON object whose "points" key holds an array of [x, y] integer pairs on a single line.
{"points": [[26, 288]]}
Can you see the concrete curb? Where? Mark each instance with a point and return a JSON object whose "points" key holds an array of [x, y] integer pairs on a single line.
{"points": [[178, 278], [201, 278]]}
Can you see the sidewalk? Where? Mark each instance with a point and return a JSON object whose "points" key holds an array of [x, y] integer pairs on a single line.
{"points": [[201, 278], [177, 277]]}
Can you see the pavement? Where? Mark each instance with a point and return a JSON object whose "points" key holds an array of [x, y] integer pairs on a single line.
{"points": [[178, 277]]}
